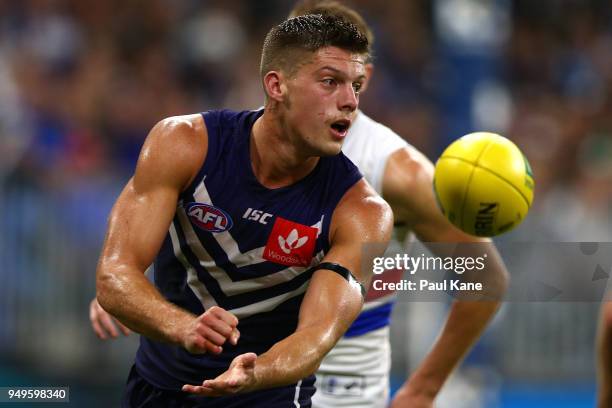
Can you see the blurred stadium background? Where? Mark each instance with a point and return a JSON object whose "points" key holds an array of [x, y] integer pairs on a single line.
{"points": [[81, 82]]}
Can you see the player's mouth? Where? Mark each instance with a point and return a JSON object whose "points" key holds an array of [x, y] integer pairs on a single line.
{"points": [[340, 128]]}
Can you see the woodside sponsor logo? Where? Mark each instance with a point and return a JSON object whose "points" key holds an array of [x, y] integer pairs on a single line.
{"points": [[290, 243]]}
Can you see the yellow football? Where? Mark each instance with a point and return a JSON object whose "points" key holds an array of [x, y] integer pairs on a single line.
{"points": [[484, 184]]}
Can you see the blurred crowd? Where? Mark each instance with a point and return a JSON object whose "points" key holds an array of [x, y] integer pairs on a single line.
{"points": [[82, 82], [559, 70]]}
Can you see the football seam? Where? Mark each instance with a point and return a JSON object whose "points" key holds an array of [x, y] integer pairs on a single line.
{"points": [[469, 183], [490, 171]]}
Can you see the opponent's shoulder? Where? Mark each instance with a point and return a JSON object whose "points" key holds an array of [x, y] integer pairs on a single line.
{"points": [[174, 150], [408, 186], [408, 171], [363, 214]]}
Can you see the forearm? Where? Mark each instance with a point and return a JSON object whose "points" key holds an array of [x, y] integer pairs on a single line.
{"points": [[329, 307], [294, 358], [131, 298], [604, 357], [468, 317], [465, 323]]}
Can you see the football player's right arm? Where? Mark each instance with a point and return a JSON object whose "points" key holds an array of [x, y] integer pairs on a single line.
{"points": [[604, 356], [139, 221], [408, 188]]}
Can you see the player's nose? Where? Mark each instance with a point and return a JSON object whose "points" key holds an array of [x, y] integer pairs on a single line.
{"points": [[348, 99]]}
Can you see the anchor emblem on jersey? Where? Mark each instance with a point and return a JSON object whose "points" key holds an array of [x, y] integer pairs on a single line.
{"points": [[293, 241], [290, 243]]}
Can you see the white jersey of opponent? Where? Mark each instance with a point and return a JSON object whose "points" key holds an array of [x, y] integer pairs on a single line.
{"points": [[356, 372], [368, 145]]}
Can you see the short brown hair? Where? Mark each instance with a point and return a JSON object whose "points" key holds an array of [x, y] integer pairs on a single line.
{"points": [[334, 8], [286, 43]]}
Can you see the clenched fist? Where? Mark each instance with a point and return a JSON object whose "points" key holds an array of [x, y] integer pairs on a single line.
{"points": [[208, 332]]}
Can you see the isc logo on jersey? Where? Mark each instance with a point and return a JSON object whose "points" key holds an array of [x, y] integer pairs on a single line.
{"points": [[209, 218], [290, 243]]}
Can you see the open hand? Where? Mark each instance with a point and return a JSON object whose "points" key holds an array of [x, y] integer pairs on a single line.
{"points": [[239, 377]]}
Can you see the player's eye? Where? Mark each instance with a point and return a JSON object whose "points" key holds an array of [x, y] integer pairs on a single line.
{"points": [[329, 81], [357, 86]]}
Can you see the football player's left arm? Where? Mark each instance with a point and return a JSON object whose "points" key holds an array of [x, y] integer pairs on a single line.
{"points": [[407, 186], [330, 304]]}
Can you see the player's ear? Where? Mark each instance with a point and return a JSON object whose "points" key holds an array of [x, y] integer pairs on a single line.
{"points": [[274, 87], [369, 70]]}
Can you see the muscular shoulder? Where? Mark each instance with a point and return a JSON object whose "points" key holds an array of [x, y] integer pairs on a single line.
{"points": [[407, 170], [183, 135], [363, 215], [173, 151], [407, 183]]}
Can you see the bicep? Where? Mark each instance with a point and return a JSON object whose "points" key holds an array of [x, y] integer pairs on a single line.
{"points": [[172, 154], [138, 224]]}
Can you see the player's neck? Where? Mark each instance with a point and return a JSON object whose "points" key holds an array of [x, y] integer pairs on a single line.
{"points": [[276, 162]]}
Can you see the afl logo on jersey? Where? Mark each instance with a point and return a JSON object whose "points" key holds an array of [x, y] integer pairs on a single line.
{"points": [[209, 218]]}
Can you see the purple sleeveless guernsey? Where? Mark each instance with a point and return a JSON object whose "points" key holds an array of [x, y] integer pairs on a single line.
{"points": [[246, 248]]}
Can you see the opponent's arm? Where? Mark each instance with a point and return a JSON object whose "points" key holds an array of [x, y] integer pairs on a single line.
{"points": [[139, 221], [330, 304], [103, 324], [604, 356], [407, 186]]}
